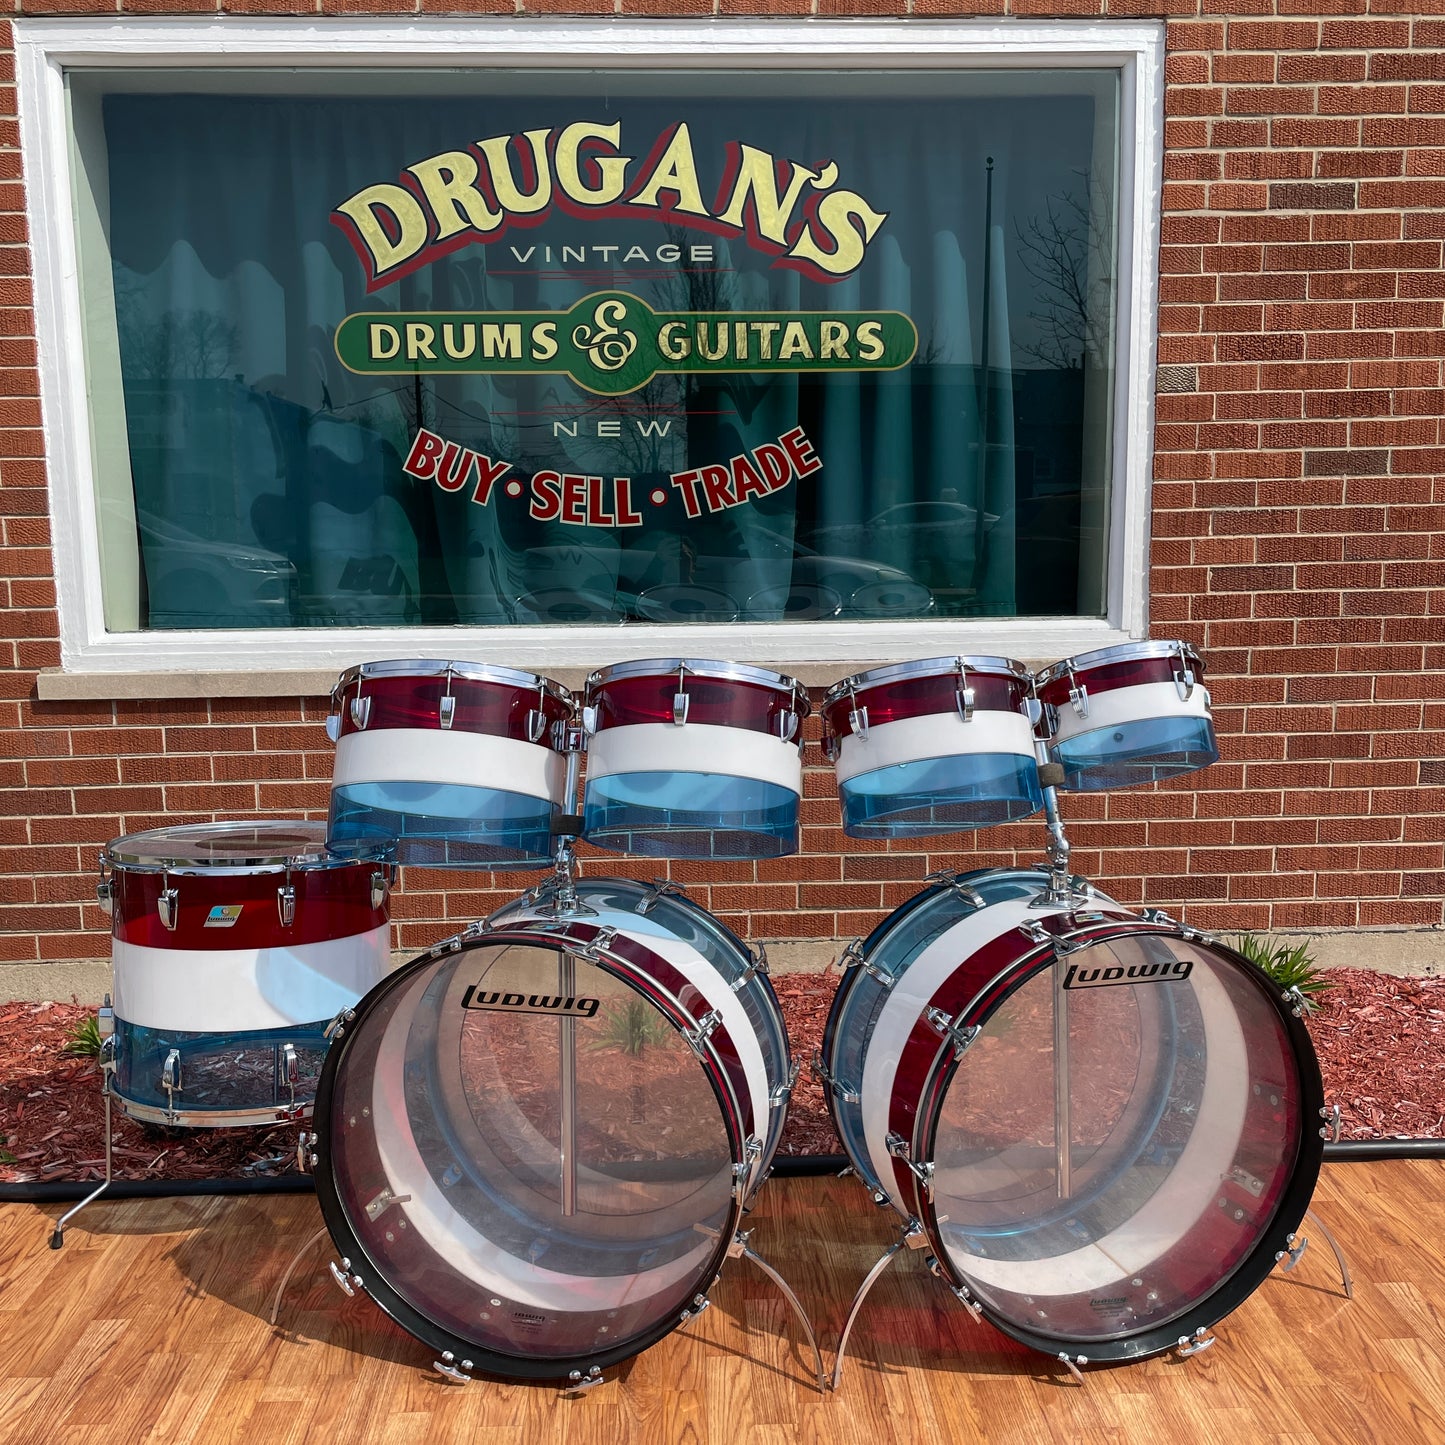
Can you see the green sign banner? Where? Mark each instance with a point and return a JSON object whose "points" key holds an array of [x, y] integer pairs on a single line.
{"points": [[611, 343]]}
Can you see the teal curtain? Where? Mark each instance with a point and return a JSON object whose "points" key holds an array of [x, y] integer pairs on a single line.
{"points": [[268, 481]]}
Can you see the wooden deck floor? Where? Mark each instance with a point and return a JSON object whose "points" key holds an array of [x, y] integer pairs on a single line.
{"points": [[151, 1325]]}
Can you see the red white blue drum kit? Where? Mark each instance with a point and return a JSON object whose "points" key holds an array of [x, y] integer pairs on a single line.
{"points": [[534, 1145]]}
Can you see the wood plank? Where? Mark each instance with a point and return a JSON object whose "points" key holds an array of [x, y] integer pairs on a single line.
{"points": [[154, 1319]]}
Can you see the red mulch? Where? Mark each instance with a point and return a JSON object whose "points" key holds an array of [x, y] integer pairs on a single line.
{"points": [[1380, 1040]]}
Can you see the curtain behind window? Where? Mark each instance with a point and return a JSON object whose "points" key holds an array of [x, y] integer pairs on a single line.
{"points": [[268, 487]]}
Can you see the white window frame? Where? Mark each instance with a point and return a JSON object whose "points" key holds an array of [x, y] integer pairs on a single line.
{"points": [[45, 49]]}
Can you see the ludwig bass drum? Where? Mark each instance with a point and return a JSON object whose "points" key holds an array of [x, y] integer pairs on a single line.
{"points": [[1106, 1126], [535, 1142]]}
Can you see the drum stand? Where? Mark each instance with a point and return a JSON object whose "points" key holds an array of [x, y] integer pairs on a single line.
{"points": [[106, 1060], [563, 900]]}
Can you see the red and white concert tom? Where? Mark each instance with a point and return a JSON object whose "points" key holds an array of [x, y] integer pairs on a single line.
{"points": [[940, 745], [693, 759], [536, 1141], [448, 764], [232, 947], [1106, 1126], [1127, 715]]}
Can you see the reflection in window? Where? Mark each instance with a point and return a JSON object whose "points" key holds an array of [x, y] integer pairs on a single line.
{"points": [[264, 484]]}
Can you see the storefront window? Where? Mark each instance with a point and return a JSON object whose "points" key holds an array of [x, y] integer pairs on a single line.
{"points": [[509, 348]]}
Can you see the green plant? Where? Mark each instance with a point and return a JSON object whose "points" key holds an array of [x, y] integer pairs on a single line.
{"points": [[631, 1026], [1288, 967], [83, 1041]]}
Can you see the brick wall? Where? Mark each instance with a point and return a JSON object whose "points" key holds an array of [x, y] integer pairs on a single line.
{"points": [[1298, 526]]}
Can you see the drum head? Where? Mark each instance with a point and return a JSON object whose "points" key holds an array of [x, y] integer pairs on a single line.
{"points": [[523, 1158], [270, 843], [1112, 1188]]}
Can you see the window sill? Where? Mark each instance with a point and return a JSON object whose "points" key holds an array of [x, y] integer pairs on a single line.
{"points": [[55, 685]]}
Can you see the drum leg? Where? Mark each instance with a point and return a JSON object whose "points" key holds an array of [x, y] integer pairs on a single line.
{"points": [[567, 1053], [872, 1278], [1063, 1121], [290, 1270], [742, 1247], [107, 1067], [1292, 1256]]}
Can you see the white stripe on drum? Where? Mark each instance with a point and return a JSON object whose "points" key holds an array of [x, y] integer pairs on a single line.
{"points": [[429, 755], [236, 990], [937, 735], [705, 748]]}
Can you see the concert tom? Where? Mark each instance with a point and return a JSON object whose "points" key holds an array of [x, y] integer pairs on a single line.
{"points": [[536, 1141], [448, 764], [233, 945], [693, 759], [942, 745], [1127, 715], [1106, 1126]]}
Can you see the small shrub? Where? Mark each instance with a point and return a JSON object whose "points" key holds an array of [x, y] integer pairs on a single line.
{"points": [[631, 1026], [83, 1041], [1288, 967]]}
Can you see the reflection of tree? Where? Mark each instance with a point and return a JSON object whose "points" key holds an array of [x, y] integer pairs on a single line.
{"points": [[669, 395], [177, 345], [1055, 250]]}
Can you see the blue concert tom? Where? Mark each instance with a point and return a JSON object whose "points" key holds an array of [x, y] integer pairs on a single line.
{"points": [[693, 759], [941, 745], [1121, 716], [448, 764]]}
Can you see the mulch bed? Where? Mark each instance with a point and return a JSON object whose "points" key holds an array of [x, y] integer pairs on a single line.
{"points": [[1380, 1040]]}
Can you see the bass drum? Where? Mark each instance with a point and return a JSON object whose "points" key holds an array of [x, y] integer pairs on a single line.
{"points": [[536, 1141], [1105, 1125]]}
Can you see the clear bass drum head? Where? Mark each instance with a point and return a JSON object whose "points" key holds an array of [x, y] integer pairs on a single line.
{"points": [[523, 1159]]}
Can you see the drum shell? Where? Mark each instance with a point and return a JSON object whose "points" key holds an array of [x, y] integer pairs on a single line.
{"points": [[693, 759], [448, 764], [227, 998], [1142, 715], [938, 746], [912, 1066]]}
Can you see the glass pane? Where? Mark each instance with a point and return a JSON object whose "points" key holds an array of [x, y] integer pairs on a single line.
{"points": [[529, 1153], [530, 348], [1183, 1127]]}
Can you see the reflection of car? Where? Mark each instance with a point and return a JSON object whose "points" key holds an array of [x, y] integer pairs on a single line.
{"points": [[192, 582], [936, 543]]}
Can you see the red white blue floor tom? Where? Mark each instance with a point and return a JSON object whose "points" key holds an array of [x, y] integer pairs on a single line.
{"points": [[232, 947]]}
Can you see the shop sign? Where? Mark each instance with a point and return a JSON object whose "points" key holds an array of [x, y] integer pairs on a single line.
{"points": [[611, 343]]}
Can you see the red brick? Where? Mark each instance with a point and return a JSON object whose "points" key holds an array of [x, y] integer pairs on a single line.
{"points": [[1297, 100], [1274, 35]]}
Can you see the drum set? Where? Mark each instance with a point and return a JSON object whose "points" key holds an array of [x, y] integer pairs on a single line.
{"points": [[535, 1144]]}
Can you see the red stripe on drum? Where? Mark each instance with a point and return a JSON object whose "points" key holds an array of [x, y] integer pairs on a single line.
{"points": [[1108, 676], [494, 709], [229, 910]]}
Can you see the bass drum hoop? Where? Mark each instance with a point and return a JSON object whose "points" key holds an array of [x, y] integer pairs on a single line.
{"points": [[1251, 1271], [397, 1307]]}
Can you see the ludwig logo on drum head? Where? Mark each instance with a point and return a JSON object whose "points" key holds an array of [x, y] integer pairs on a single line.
{"points": [[530, 1003], [223, 915], [1172, 972]]}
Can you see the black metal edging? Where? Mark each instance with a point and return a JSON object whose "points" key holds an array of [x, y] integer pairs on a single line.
{"points": [[59, 1191], [785, 1166]]}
